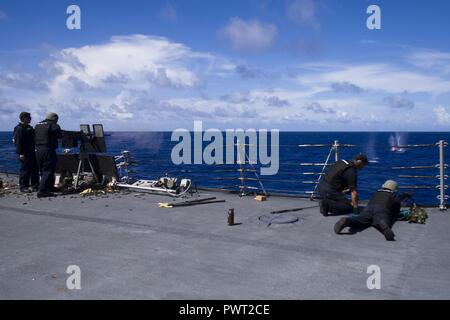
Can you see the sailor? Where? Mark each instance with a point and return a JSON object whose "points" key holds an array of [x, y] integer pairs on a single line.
{"points": [[381, 212], [47, 134], [342, 177], [24, 141]]}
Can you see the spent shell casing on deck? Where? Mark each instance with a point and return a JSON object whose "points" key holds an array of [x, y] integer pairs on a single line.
{"points": [[231, 217]]}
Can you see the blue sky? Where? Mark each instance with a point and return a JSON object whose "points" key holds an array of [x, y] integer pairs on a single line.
{"points": [[308, 65]]}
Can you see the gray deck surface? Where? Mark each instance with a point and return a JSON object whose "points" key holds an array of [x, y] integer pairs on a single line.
{"points": [[128, 248]]}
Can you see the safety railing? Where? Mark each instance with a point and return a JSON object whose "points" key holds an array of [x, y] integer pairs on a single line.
{"points": [[441, 177], [334, 149], [124, 164], [245, 166], [242, 176]]}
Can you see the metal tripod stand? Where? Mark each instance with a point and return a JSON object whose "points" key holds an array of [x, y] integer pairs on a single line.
{"points": [[84, 158]]}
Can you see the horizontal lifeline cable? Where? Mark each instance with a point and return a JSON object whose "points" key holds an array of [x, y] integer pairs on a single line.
{"points": [[312, 173], [420, 187], [417, 167], [326, 145], [235, 178], [422, 177], [268, 181], [426, 145], [442, 197]]}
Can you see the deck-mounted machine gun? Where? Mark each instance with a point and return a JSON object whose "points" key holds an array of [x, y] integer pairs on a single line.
{"points": [[89, 160]]}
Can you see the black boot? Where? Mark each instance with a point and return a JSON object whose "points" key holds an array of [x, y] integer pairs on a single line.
{"points": [[389, 234], [341, 224], [44, 194], [323, 208], [54, 189]]}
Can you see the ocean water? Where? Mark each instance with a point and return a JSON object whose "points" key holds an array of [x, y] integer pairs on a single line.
{"points": [[152, 151]]}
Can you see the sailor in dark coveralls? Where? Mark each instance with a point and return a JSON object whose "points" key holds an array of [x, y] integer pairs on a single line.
{"points": [[25, 148], [341, 177], [47, 134], [381, 212]]}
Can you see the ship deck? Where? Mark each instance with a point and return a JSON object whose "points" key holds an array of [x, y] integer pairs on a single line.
{"points": [[129, 248]]}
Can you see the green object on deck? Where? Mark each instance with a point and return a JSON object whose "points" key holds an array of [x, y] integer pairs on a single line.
{"points": [[418, 215]]}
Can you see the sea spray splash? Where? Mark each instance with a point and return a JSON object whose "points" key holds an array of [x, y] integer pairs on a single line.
{"points": [[397, 140], [370, 148]]}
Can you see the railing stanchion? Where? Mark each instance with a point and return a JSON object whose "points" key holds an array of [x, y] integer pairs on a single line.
{"points": [[240, 148], [336, 150], [442, 195]]}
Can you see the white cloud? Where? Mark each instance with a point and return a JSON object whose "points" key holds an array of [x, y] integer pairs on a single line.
{"points": [[118, 80], [318, 108], [236, 97], [346, 87], [274, 101], [303, 12], [140, 62], [380, 77], [431, 59], [21, 81], [442, 115], [141, 82], [422, 58], [251, 35], [399, 101], [290, 106], [9, 108]]}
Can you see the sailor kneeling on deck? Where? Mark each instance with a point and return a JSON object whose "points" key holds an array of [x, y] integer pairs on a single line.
{"points": [[381, 212], [340, 177]]}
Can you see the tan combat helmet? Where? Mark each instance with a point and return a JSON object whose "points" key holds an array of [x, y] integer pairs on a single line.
{"points": [[51, 116], [391, 185]]}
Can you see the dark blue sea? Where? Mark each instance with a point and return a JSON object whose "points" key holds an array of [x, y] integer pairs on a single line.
{"points": [[152, 150]]}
